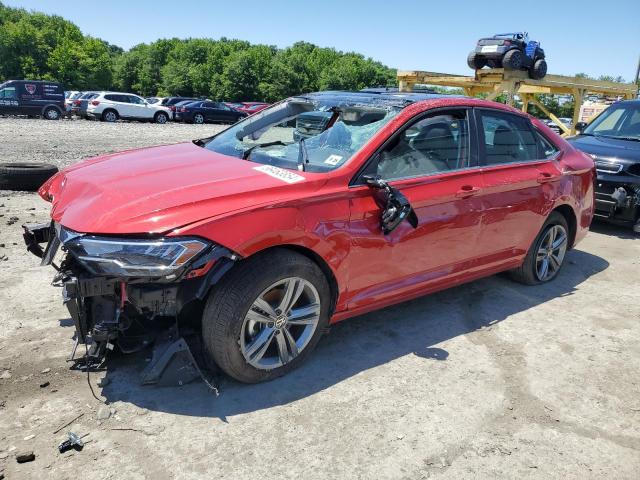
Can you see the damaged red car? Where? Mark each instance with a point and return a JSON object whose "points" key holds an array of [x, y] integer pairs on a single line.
{"points": [[258, 242]]}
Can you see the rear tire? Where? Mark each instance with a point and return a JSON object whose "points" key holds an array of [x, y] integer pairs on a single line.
{"points": [[539, 69], [512, 60], [25, 176], [475, 61], [198, 119], [51, 113], [530, 271], [236, 345], [109, 116]]}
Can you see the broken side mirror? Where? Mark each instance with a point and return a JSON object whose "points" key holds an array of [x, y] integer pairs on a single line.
{"points": [[395, 206]]}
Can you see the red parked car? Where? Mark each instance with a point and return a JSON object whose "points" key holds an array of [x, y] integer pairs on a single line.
{"points": [[249, 107], [262, 242]]}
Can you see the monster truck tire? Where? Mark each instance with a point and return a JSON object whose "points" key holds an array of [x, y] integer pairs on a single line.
{"points": [[539, 69], [25, 176], [512, 60], [475, 62]]}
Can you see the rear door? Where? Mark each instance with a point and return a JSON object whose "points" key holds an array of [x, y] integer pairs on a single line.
{"points": [[432, 162], [521, 174]]}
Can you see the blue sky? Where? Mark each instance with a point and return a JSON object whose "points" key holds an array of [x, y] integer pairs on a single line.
{"points": [[595, 37]]}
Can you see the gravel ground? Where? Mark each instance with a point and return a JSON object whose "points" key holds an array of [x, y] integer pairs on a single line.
{"points": [[66, 141], [488, 380]]}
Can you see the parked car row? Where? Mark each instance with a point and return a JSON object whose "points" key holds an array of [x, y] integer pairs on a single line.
{"points": [[50, 101]]}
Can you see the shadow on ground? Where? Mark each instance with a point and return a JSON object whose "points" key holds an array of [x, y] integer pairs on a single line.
{"points": [[359, 344], [620, 231]]}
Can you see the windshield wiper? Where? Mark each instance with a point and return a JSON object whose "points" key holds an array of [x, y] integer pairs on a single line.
{"points": [[303, 155], [633, 139], [247, 152]]}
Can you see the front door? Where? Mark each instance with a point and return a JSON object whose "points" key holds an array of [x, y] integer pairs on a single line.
{"points": [[9, 100], [432, 162]]}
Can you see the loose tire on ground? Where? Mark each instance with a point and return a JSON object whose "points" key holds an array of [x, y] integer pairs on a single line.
{"points": [[475, 62], [539, 69], [25, 176], [227, 309], [527, 272], [512, 60]]}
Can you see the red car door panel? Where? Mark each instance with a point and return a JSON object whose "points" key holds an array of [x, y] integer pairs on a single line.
{"points": [[519, 187], [441, 246], [428, 163]]}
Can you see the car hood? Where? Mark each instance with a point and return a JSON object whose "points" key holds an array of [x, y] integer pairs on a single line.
{"points": [[155, 190], [626, 151]]}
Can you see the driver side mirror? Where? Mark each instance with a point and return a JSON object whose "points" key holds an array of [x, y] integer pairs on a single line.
{"points": [[395, 206], [580, 126]]}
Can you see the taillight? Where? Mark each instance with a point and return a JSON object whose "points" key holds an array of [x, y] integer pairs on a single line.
{"points": [[172, 108], [183, 109], [95, 103], [76, 102]]}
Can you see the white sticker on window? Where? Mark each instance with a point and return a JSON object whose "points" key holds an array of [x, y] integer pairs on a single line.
{"points": [[280, 173], [333, 160]]}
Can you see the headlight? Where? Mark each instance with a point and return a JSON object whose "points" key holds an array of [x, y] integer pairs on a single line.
{"points": [[134, 258]]}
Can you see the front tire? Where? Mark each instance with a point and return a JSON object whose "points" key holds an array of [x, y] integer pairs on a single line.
{"points": [[546, 255], [161, 118], [198, 119], [539, 69], [266, 316]]}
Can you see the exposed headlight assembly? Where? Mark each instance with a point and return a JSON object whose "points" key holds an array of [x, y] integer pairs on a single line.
{"points": [[135, 258]]}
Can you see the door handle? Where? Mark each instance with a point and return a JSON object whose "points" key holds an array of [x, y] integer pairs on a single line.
{"points": [[467, 191], [545, 177]]}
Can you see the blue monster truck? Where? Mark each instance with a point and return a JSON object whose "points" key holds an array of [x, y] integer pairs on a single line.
{"points": [[512, 51]]}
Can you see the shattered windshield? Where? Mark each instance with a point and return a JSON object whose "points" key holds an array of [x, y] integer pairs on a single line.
{"points": [[304, 133]]}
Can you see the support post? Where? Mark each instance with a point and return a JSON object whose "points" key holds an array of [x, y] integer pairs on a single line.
{"points": [[578, 98], [525, 102], [546, 111]]}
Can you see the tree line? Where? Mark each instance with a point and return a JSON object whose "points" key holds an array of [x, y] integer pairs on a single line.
{"points": [[39, 46]]}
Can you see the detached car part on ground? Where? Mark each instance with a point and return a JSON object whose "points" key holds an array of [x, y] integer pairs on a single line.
{"points": [[512, 51], [612, 139], [259, 242]]}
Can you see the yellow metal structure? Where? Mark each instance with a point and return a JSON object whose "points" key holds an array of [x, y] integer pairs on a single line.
{"points": [[517, 82]]}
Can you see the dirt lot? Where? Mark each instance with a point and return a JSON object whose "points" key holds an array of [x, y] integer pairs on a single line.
{"points": [[488, 380]]}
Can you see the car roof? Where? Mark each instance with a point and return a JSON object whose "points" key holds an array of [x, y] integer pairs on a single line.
{"points": [[382, 99]]}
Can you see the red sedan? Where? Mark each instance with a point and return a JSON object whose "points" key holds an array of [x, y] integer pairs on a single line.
{"points": [[262, 241], [249, 107]]}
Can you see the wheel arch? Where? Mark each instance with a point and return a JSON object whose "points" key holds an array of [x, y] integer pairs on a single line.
{"points": [[572, 221], [51, 105], [315, 258]]}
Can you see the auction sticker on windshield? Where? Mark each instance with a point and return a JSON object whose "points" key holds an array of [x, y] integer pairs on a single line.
{"points": [[280, 173], [333, 160]]}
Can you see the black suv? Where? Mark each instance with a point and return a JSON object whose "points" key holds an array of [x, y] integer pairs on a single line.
{"points": [[512, 51], [32, 97], [612, 139]]}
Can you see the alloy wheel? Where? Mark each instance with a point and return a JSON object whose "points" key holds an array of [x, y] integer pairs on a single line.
{"points": [[198, 118], [110, 117], [52, 114], [551, 251], [280, 323]]}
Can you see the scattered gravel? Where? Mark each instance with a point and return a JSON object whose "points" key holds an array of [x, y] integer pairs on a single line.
{"points": [[67, 141]]}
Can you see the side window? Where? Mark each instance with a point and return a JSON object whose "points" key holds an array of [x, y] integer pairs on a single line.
{"points": [[507, 138], [546, 149], [435, 144], [210, 105], [135, 100], [9, 92]]}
